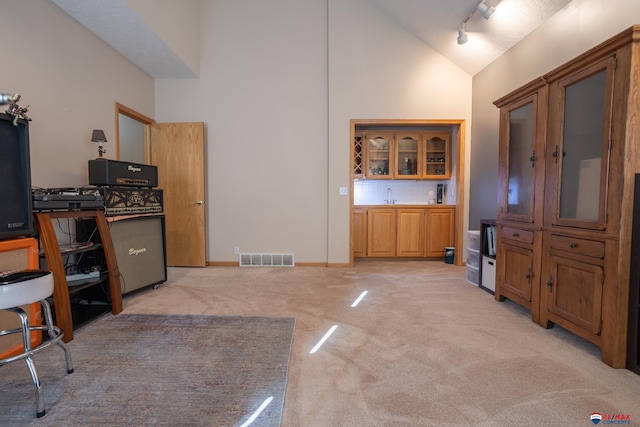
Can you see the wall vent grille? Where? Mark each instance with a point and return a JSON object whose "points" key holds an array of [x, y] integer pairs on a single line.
{"points": [[266, 260]]}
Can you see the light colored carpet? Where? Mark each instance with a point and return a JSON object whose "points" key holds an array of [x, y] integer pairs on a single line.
{"points": [[155, 370], [423, 348]]}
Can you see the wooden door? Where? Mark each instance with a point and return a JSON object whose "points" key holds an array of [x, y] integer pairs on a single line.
{"points": [[410, 230], [359, 233], [439, 231], [574, 295], [178, 151], [516, 271], [381, 232]]}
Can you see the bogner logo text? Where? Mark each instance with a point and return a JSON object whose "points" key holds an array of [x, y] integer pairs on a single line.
{"points": [[15, 224], [133, 251], [134, 168]]}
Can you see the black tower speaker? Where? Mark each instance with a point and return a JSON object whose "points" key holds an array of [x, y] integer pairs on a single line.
{"points": [[139, 245], [15, 179]]}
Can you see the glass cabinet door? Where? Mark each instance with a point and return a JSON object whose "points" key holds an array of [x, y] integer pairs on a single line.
{"points": [[407, 156], [521, 160], [580, 149], [437, 156], [379, 156]]}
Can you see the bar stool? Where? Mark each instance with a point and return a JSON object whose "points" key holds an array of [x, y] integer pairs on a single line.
{"points": [[24, 287]]}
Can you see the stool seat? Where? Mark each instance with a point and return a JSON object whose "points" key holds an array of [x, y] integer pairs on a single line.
{"points": [[19, 288], [24, 287]]}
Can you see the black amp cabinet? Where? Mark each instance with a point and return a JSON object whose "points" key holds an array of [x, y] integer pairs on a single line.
{"points": [[633, 337]]}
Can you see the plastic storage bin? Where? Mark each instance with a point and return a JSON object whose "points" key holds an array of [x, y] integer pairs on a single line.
{"points": [[473, 239], [473, 275], [473, 258]]}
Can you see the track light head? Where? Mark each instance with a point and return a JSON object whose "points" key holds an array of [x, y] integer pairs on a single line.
{"points": [[485, 10], [462, 35]]}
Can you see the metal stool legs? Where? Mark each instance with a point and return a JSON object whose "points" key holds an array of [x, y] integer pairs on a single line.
{"points": [[55, 336]]}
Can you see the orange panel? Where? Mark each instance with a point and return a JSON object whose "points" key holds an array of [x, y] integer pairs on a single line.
{"points": [[29, 247]]}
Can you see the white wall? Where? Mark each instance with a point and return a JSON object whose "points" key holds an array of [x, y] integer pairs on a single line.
{"points": [[377, 70], [577, 28], [279, 83], [262, 94], [71, 79]]}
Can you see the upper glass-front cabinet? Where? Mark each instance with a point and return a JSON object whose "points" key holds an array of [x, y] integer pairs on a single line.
{"points": [[579, 151], [407, 156], [520, 162], [379, 156], [437, 155]]}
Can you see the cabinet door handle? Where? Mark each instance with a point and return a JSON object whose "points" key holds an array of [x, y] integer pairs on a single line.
{"points": [[515, 234], [532, 159], [572, 245], [550, 283], [198, 202], [528, 276]]}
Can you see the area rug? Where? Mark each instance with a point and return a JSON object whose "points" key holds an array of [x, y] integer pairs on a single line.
{"points": [[153, 370]]}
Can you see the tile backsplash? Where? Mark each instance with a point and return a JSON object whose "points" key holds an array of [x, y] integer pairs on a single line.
{"points": [[374, 192]]}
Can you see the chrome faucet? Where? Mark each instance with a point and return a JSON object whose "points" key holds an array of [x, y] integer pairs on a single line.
{"points": [[389, 201]]}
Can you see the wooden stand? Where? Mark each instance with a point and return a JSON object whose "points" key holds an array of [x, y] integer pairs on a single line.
{"points": [[49, 243]]}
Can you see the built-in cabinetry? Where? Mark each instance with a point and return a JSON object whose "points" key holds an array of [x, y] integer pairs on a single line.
{"points": [[403, 231], [440, 230], [568, 155], [359, 232], [402, 155]]}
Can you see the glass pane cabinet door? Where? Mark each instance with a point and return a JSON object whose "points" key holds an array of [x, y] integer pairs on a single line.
{"points": [[437, 156], [378, 156], [581, 157], [407, 156], [521, 158]]}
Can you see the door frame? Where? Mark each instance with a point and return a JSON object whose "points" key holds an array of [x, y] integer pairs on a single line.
{"points": [[459, 175]]}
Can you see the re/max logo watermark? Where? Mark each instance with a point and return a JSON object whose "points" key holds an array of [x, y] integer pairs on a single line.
{"points": [[597, 418]]}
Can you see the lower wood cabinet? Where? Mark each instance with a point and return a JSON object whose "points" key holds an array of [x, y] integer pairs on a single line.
{"points": [[573, 285], [403, 231], [381, 232], [410, 233], [359, 233], [440, 231]]}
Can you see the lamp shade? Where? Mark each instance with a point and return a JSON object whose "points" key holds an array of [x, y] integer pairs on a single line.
{"points": [[98, 136]]}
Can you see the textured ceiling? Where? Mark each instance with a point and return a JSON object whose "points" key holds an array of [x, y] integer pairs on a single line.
{"points": [[435, 22]]}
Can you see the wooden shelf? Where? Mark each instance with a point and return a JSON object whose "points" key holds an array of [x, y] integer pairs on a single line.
{"points": [[53, 255]]}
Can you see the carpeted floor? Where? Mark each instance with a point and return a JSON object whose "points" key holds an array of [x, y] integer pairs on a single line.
{"points": [[137, 370]]}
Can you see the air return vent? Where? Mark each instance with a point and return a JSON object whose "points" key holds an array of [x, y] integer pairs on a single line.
{"points": [[266, 260]]}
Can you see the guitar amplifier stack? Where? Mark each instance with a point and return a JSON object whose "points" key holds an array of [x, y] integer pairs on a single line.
{"points": [[128, 188], [134, 208]]}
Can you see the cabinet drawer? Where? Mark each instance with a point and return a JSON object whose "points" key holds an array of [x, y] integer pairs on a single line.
{"points": [[590, 248], [524, 236]]}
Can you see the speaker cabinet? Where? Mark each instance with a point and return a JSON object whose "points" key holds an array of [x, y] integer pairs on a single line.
{"points": [[139, 244], [15, 179]]}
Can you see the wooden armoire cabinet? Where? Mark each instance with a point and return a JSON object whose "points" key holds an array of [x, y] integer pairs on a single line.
{"points": [[569, 150]]}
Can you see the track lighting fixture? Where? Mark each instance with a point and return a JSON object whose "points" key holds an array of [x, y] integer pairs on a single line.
{"points": [[486, 12], [462, 35]]}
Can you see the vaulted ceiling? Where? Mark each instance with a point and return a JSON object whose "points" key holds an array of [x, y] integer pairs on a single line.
{"points": [[435, 22]]}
